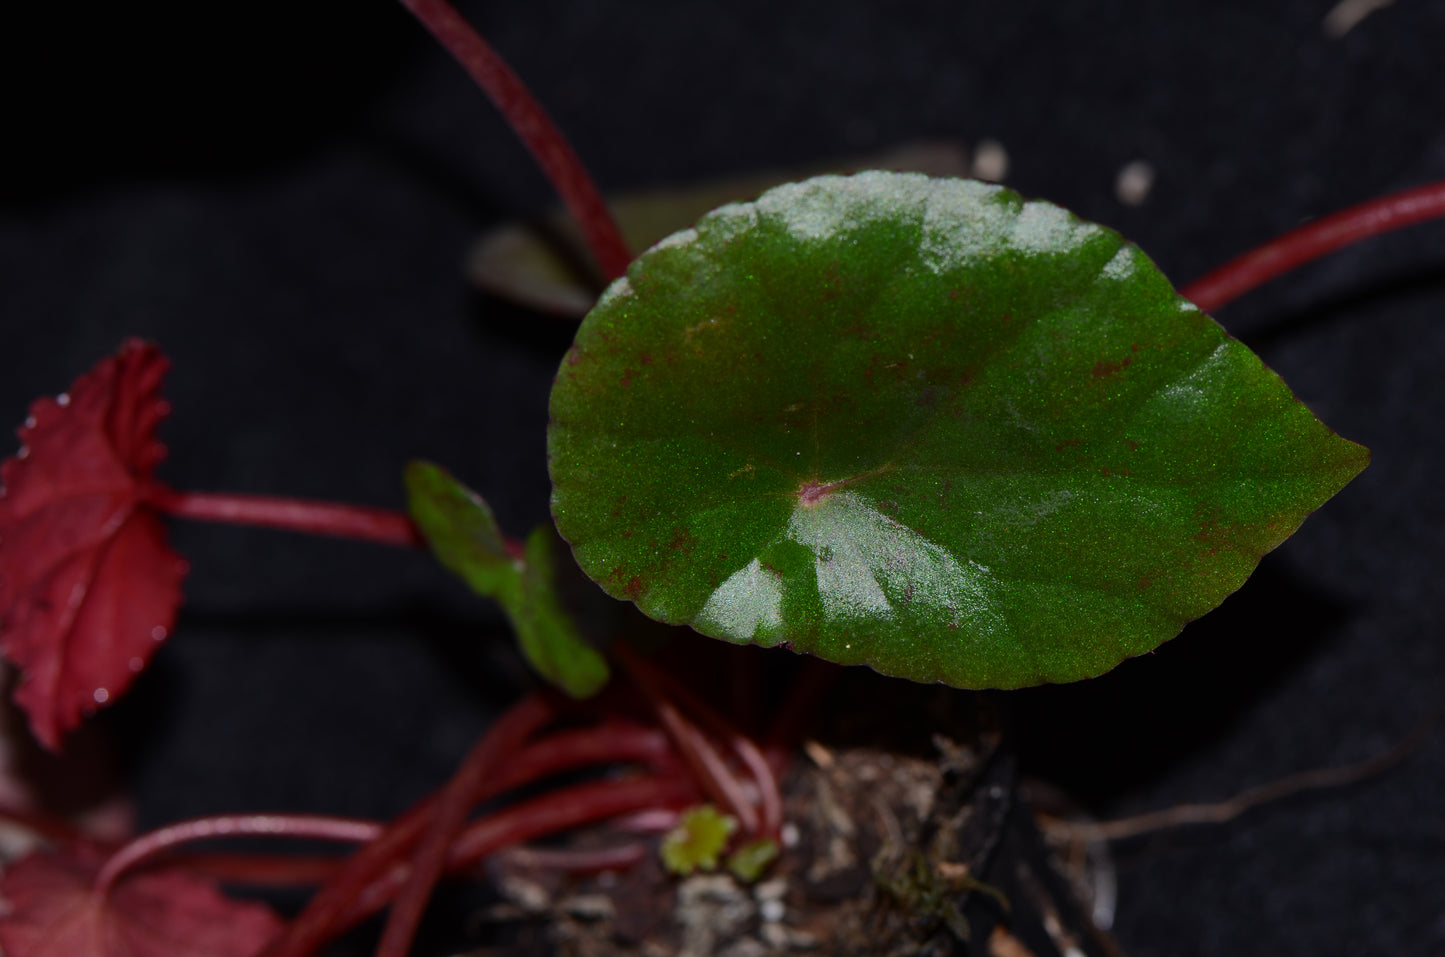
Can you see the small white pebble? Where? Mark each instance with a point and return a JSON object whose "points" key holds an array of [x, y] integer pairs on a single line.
{"points": [[789, 835], [1347, 14], [1133, 183], [818, 754], [990, 161], [742, 947], [589, 907], [528, 895], [772, 911], [775, 935], [781, 937], [771, 890]]}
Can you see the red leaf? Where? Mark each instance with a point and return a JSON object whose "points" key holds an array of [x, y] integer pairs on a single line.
{"points": [[51, 910], [88, 585]]}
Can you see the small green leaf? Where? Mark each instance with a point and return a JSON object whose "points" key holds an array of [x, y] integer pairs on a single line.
{"points": [[460, 529], [749, 862], [927, 426], [547, 634], [698, 840]]}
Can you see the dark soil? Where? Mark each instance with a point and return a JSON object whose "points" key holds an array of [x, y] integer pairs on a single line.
{"points": [[920, 848]]}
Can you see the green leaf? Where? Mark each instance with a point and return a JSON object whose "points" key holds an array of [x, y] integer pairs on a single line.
{"points": [[460, 530], [698, 840], [926, 426], [749, 862], [548, 637], [462, 533]]}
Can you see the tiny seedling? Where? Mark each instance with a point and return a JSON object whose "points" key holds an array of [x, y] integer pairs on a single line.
{"points": [[920, 424]]}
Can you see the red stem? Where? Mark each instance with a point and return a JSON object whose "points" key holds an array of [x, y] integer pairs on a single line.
{"points": [[609, 742], [711, 771], [452, 806], [547, 814], [1313, 240], [568, 808], [535, 128], [314, 925], [612, 742], [314, 827], [380, 525], [262, 870], [770, 796], [317, 921]]}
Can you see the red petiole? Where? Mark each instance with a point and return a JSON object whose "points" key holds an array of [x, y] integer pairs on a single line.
{"points": [[535, 128], [449, 812], [546, 814], [316, 923], [380, 525], [154, 843], [1314, 240], [378, 871], [744, 748], [669, 698]]}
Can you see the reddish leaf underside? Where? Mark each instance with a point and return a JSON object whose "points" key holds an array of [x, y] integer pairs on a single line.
{"points": [[88, 586], [51, 910]]}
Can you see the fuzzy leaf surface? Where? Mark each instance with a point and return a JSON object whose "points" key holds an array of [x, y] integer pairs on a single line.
{"points": [[88, 584], [460, 530], [52, 911], [927, 426]]}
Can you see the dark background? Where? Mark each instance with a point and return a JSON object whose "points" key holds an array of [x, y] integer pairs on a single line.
{"points": [[282, 195]]}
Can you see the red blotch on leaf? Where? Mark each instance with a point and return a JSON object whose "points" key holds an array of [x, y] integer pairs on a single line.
{"points": [[52, 910], [1103, 369], [88, 585]]}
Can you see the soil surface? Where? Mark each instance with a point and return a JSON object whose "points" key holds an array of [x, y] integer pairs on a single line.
{"points": [[885, 852]]}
